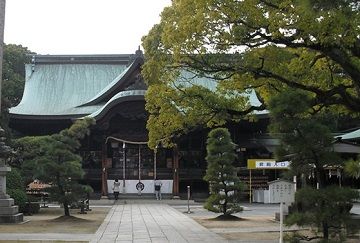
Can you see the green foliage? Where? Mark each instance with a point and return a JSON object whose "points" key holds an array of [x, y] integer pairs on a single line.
{"points": [[303, 137], [263, 45], [328, 209], [14, 180], [15, 57], [225, 186], [53, 160], [15, 187], [19, 196], [13, 79], [306, 140], [28, 149], [352, 168], [87, 190]]}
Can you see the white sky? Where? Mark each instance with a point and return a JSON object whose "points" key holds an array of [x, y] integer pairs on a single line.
{"points": [[80, 26]]}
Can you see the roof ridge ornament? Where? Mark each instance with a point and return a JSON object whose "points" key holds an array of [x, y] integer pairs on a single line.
{"points": [[138, 54], [33, 62]]}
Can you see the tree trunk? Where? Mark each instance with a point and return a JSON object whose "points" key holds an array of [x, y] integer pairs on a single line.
{"points": [[325, 230], [2, 25], [66, 209], [225, 201], [224, 207]]}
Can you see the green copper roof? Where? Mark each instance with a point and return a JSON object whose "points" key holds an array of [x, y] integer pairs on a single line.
{"points": [[351, 135], [74, 86], [187, 79], [59, 89]]}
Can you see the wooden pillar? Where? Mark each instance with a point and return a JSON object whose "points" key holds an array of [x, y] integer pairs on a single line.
{"points": [[175, 172], [104, 175], [250, 189], [139, 163], [124, 166], [155, 161]]}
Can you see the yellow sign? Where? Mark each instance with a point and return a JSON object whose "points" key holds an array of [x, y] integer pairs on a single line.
{"points": [[263, 164]]}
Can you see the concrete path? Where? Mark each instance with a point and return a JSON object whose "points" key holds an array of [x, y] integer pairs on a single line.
{"points": [[157, 223], [44, 238], [134, 222]]}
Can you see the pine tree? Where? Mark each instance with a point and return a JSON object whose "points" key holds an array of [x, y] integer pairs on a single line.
{"points": [[306, 138], [54, 160], [224, 184]]}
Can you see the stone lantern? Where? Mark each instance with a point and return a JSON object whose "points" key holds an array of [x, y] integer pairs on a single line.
{"points": [[9, 213]]}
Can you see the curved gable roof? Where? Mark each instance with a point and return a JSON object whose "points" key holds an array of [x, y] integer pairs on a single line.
{"points": [[57, 87], [116, 84], [123, 96]]}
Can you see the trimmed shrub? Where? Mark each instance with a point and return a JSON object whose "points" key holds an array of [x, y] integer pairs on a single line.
{"points": [[19, 197], [14, 180]]}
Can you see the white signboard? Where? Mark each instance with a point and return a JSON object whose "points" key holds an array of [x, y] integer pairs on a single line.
{"points": [[281, 191]]}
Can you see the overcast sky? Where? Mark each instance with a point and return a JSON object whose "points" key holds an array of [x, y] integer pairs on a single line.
{"points": [[80, 26]]}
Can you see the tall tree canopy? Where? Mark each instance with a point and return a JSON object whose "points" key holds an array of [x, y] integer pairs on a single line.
{"points": [[15, 58], [306, 138], [307, 141], [13, 78], [250, 44]]}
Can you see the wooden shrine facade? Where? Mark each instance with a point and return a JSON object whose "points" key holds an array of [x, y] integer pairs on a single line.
{"points": [[62, 88]]}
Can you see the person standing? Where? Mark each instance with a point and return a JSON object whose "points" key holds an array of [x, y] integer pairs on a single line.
{"points": [[158, 185], [116, 189]]}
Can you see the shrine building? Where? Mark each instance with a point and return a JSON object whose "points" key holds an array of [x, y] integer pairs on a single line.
{"points": [[109, 88]]}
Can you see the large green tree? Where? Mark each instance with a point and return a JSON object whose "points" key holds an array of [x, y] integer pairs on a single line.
{"points": [[15, 58], [327, 211], [306, 140], [265, 45], [13, 79], [224, 185], [53, 160]]}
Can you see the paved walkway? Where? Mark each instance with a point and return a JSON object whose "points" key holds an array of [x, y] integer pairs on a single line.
{"points": [[132, 222], [157, 223]]}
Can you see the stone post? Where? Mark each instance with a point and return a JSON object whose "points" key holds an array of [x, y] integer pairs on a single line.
{"points": [[3, 170]]}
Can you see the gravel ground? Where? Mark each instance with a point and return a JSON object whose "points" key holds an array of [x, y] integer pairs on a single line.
{"points": [[256, 225], [51, 220]]}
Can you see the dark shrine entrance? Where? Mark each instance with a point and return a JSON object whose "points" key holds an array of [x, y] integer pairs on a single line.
{"points": [[136, 166], [125, 154]]}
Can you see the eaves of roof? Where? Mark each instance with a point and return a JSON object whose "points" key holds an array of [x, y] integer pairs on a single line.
{"points": [[123, 96], [98, 110], [115, 84], [354, 135]]}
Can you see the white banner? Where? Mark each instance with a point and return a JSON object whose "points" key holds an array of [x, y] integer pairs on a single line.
{"points": [[130, 186]]}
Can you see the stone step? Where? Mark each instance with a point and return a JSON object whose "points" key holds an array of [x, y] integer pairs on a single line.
{"points": [[11, 219], [9, 210], [6, 202]]}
